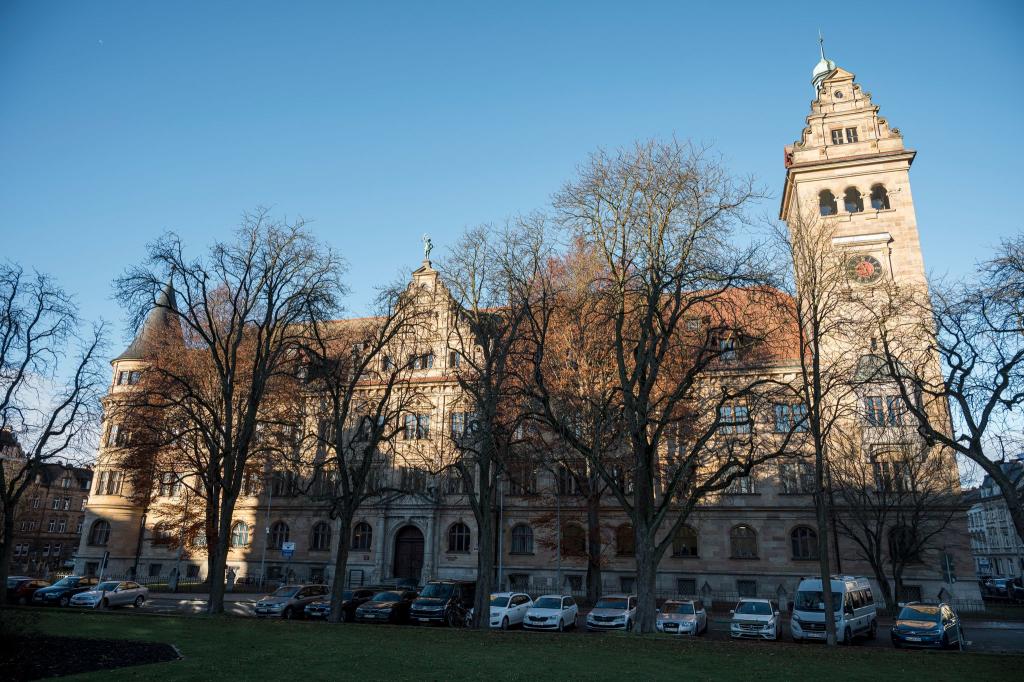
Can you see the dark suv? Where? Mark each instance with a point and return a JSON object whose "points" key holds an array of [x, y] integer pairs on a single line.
{"points": [[443, 601], [61, 592]]}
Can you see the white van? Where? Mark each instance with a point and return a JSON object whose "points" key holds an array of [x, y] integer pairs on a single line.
{"points": [[854, 606]]}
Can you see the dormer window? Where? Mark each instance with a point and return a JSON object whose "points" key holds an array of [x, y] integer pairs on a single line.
{"points": [[844, 136]]}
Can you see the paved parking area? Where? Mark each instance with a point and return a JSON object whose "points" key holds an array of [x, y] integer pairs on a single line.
{"points": [[987, 636]]}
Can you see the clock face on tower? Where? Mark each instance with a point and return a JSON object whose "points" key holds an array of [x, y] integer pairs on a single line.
{"points": [[864, 269]]}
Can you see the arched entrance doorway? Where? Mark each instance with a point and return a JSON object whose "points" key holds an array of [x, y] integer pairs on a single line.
{"points": [[408, 553]]}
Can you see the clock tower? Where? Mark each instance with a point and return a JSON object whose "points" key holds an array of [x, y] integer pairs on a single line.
{"points": [[851, 169]]}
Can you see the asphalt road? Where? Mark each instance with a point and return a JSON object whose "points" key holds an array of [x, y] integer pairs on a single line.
{"points": [[988, 636]]}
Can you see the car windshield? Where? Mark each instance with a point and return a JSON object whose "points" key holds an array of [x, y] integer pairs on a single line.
{"points": [[548, 603], [754, 608], [499, 602], [920, 612], [107, 586], [612, 603], [67, 582], [387, 596], [685, 608], [437, 591], [285, 592], [811, 600]]}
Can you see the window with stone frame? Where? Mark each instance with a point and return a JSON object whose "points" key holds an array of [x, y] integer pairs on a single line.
{"points": [[804, 543], [416, 426], [279, 534], [568, 485], [459, 539], [734, 419], [320, 537], [746, 588], [685, 543], [574, 540], [686, 587], [522, 478], [797, 477], [522, 539], [741, 485], [99, 533], [625, 540], [743, 542], [790, 418], [362, 536]]}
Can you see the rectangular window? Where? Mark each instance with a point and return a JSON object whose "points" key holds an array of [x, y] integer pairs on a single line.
{"points": [[746, 588], [727, 350], [192, 571], [797, 478], [62, 526], [154, 570], [78, 526], [65, 483], [790, 417], [170, 484], [56, 549], [686, 587], [743, 485], [122, 377], [874, 410], [837, 136], [454, 359], [46, 549], [734, 419], [83, 505], [36, 502], [67, 504], [458, 424], [51, 526], [56, 504], [851, 134], [417, 426]]}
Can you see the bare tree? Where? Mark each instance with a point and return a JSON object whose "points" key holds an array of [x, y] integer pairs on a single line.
{"points": [[490, 275], [359, 372], [245, 310], [958, 365], [828, 345], [50, 384], [659, 219]]}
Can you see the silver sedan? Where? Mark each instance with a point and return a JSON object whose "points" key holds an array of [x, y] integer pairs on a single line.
{"points": [[112, 593]]}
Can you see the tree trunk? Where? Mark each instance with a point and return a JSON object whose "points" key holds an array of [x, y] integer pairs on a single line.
{"points": [[341, 567], [824, 565], [646, 581], [6, 546], [593, 548], [886, 588], [217, 561], [485, 565]]}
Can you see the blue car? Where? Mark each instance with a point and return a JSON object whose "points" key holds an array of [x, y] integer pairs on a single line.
{"points": [[933, 626]]}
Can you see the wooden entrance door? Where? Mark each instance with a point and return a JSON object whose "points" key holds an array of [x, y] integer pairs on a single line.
{"points": [[409, 553]]}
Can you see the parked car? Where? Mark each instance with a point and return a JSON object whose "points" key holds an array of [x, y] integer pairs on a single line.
{"points": [[682, 617], [60, 593], [755, 619], [509, 608], [289, 601], [927, 625], [350, 601], [111, 593], [997, 587], [387, 606], [552, 612], [1016, 589], [443, 601], [21, 588], [852, 603], [613, 612]]}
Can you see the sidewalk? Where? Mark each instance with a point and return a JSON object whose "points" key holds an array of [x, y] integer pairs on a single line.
{"points": [[204, 597]]}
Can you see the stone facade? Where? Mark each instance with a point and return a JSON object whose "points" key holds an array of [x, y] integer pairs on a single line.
{"points": [[998, 550], [725, 559]]}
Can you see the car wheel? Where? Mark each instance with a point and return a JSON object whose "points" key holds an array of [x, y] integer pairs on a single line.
{"points": [[288, 614], [873, 630], [504, 623], [138, 601], [65, 600], [561, 625]]}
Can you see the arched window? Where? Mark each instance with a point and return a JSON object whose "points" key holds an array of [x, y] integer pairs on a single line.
{"points": [[827, 203], [458, 538], [853, 202], [240, 534], [99, 534], [804, 542], [522, 539], [879, 197], [574, 540], [684, 544], [625, 542], [278, 534], [362, 536], [743, 542], [320, 538]]}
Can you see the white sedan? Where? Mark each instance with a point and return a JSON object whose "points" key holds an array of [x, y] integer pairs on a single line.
{"points": [[112, 593], [552, 612], [509, 608]]}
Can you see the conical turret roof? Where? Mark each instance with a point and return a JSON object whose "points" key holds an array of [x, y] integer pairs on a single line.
{"points": [[161, 318]]}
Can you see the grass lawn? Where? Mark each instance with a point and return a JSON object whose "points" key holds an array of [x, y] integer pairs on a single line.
{"points": [[242, 648]]}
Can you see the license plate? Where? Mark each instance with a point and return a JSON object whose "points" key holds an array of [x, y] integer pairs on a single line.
{"points": [[424, 620], [913, 639], [815, 635], [671, 626]]}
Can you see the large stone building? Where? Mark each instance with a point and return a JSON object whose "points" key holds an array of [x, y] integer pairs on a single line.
{"points": [[998, 550], [758, 539], [49, 519]]}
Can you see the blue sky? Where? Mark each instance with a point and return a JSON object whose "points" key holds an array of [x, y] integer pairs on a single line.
{"points": [[381, 121]]}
